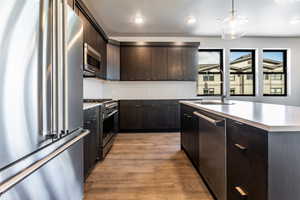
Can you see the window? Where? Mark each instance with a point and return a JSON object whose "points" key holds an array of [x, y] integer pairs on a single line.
{"points": [[210, 67], [208, 78], [209, 91], [276, 91], [232, 91], [275, 72], [242, 67], [232, 77]]}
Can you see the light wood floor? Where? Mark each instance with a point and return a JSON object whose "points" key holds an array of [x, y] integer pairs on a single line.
{"points": [[146, 167]]}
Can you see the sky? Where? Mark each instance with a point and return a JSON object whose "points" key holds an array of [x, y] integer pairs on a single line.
{"points": [[214, 57], [270, 55]]}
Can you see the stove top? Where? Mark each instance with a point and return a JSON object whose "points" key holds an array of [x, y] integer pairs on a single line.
{"points": [[96, 100]]}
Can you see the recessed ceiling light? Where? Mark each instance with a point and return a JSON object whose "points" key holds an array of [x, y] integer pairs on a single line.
{"points": [[139, 20], [191, 20], [295, 20]]}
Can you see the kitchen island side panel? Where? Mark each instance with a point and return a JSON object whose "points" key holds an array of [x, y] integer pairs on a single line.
{"points": [[284, 166]]}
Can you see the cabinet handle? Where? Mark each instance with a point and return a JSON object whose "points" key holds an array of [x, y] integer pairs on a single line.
{"points": [[188, 116], [240, 147], [238, 123], [210, 120], [242, 193]]}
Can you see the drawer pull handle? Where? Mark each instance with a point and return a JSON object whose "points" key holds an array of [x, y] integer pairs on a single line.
{"points": [[240, 147], [210, 120], [241, 192]]}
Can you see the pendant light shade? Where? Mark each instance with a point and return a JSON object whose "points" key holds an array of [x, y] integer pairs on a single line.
{"points": [[233, 27]]}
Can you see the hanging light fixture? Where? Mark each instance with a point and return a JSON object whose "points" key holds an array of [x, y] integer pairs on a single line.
{"points": [[233, 27]]}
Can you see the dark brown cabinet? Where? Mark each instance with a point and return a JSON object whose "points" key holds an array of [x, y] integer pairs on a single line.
{"points": [[91, 141], [159, 65], [135, 63], [175, 64], [149, 115], [247, 156], [189, 63], [189, 134], [158, 62], [113, 62], [131, 115]]}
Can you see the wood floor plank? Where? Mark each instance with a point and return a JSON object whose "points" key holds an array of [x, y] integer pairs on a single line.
{"points": [[147, 166]]}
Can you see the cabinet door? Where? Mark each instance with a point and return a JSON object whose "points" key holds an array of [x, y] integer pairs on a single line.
{"points": [[247, 158], [189, 63], [155, 115], [142, 63], [91, 142], [184, 128], [175, 70], [136, 63], [113, 62], [131, 115], [127, 64], [173, 115], [101, 48], [159, 63]]}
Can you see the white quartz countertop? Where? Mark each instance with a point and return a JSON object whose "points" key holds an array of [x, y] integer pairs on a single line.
{"points": [[90, 105], [270, 117]]}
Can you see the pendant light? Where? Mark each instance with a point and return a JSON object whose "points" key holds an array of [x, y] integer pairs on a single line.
{"points": [[233, 27]]}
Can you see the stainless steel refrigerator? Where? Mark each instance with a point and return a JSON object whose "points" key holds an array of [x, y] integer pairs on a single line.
{"points": [[40, 101]]}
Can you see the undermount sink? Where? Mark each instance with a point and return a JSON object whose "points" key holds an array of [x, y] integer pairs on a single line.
{"points": [[212, 103]]}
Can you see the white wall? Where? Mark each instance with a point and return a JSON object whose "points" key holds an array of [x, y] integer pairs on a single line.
{"points": [[177, 90], [149, 90], [92, 88]]}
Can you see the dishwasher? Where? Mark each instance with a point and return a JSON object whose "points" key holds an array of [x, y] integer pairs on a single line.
{"points": [[212, 152]]}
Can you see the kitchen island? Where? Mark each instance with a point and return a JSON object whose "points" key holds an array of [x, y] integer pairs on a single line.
{"points": [[244, 150]]}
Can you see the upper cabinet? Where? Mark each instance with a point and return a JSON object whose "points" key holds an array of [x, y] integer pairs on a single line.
{"points": [[159, 62], [113, 61]]}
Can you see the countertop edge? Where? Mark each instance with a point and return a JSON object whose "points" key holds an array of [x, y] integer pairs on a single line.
{"points": [[87, 106], [251, 123]]}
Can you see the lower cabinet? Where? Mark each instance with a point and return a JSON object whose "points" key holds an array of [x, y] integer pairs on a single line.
{"points": [[149, 115], [232, 157], [91, 141], [247, 158], [189, 134]]}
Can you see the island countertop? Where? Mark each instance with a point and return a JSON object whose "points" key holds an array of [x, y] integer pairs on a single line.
{"points": [[270, 117]]}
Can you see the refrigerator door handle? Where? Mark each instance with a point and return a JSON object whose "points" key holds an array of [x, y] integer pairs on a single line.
{"points": [[45, 63]]}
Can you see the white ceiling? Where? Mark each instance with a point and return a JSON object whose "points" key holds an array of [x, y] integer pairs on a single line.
{"points": [[168, 17]]}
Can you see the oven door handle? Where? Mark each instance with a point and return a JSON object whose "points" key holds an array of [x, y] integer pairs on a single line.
{"points": [[112, 113]]}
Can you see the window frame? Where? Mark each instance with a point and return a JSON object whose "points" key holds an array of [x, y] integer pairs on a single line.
{"points": [[284, 73], [221, 51], [253, 73]]}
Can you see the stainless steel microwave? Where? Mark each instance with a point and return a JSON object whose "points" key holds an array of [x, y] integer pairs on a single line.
{"points": [[92, 60]]}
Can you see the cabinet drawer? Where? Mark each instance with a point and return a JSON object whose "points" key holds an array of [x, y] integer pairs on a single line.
{"points": [[247, 161], [245, 174], [253, 142]]}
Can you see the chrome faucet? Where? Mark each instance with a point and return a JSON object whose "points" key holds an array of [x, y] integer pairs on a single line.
{"points": [[224, 93]]}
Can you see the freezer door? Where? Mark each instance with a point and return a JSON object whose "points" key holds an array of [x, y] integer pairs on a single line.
{"points": [[25, 80], [73, 71]]}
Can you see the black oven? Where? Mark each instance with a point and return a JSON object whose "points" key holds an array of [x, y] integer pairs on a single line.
{"points": [[110, 120], [92, 60]]}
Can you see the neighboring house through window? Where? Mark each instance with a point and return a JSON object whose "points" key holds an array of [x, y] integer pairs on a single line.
{"points": [[210, 80], [275, 72], [242, 68]]}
